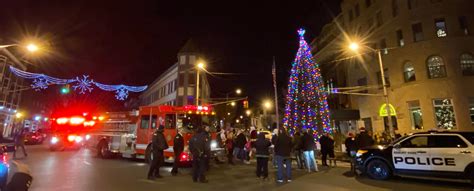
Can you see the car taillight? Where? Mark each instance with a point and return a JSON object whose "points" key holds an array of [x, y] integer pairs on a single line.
{"points": [[71, 138], [33, 137]]}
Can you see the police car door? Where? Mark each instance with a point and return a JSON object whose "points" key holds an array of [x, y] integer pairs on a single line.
{"points": [[450, 152], [412, 153]]}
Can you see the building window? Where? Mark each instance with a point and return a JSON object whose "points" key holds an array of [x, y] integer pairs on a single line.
{"points": [[467, 64], [371, 24], [400, 40], [357, 10], [387, 78], [417, 32], [368, 3], [471, 109], [444, 113], [351, 15], [414, 110], [379, 19], [363, 83], [463, 24], [409, 72], [409, 4], [440, 25], [436, 67], [395, 8], [383, 46]]}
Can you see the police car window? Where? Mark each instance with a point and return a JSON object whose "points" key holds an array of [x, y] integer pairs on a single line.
{"points": [[448, 141], [145, 121], [469, 137], [415, 142]]}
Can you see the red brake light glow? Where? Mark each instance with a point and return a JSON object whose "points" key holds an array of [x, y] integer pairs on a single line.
{"points": [[71, 138], [76, 120], [62, 120]]}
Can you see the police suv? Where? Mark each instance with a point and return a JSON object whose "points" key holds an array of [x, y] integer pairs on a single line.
{"points": [[435, 154]]}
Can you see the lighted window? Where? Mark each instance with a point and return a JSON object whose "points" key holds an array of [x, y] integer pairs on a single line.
{"points": [[400, 40], [467, 64], [416, 115], [417, 32], [444, 113], [409, 72], [436, 67], [441, 30], [463, 25]]}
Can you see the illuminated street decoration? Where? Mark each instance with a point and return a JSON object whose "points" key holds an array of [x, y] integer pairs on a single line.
{"points": [[81, 84], [306, 102], [383, 110]]}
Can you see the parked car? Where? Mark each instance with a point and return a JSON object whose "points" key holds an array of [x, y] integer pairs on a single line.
{"points": [[35, 137]]}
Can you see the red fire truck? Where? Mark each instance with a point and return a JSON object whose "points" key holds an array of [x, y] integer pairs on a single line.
{"points": [[69, 130], [129, 134]]}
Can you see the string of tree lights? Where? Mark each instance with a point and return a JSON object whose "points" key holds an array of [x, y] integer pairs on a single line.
{"points": [[80, 84], [306, 101]]}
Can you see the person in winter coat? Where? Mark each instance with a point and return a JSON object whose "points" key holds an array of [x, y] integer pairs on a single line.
{"points": [[229, 144], [297, 142], [20, 142], [327, 148], [178, 148], [308, 146], [262, 145], [198, 145], [240, 142], [363, 139], [158, 144], [283, 146], [350, 145]]}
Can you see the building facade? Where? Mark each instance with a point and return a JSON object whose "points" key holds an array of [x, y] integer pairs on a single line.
{"points": [[10, 92], [427, 51], [177, 85]]}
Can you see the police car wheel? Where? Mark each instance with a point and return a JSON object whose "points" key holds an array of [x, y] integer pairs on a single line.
{"points": [[377, 169]]}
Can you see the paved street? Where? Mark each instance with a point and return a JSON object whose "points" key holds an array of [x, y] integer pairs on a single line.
{"points": [[80, 170]]}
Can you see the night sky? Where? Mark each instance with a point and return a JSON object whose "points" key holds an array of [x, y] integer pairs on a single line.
{"points": [[133, 42]]}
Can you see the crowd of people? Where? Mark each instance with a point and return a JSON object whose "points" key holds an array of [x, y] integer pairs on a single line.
{"points": [[243, 145]]}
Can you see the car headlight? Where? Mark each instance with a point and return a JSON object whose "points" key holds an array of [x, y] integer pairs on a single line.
{"points": [[361, 152], [213, 144]]}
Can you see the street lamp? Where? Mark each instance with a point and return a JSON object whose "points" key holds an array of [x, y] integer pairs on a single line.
{"points": [[248, 112], [200, 66], [355, 47], [31, 47], [232, 103], [238, 91]]}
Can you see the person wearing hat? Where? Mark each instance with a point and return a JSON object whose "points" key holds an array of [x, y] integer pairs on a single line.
{"points": [[363, 139], [158, 144]]}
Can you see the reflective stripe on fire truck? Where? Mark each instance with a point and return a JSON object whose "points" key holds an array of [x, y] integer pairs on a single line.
{"points": [[144, 146]]}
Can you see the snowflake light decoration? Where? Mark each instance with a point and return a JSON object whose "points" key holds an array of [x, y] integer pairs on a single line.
{"points": [[83, 84], [121, 94], [39, 84]]}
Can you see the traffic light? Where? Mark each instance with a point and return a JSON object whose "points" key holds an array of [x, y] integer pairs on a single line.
{"points": [[246, 104], [65, 89]]}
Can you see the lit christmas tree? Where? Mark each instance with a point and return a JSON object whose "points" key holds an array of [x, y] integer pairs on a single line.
{"points": [[306, 101]]}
